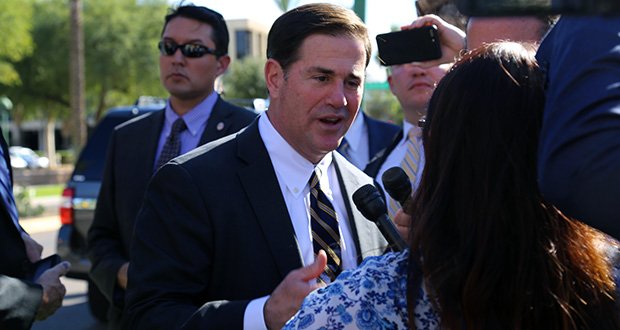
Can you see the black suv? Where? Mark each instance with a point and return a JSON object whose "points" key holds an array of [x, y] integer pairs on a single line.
{"points": [[80, 198]]}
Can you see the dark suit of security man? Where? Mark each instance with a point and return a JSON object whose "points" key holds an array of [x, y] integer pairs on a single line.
{"points": [[136, 147]]}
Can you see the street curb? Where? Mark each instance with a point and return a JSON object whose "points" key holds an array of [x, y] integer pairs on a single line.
{"points": [[40, 224]]}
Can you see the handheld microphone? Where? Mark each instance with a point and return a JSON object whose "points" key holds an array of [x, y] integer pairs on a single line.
{"points": [[370, 203], [397, 184]]}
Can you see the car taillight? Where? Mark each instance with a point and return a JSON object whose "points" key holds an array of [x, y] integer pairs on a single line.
{"points": [[66, 207]]}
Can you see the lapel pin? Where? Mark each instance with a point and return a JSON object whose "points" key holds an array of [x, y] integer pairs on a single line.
{"points": [[220, 126]]}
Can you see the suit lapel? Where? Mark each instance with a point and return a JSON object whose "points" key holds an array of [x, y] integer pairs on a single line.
{"points": [[261, 186], [364, 232], [372, 169], [373, 133], [218, 124], [151, 136], [144, 152]]}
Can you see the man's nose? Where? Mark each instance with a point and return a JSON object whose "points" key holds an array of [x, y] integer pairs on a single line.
{"points": [[336, 97]]}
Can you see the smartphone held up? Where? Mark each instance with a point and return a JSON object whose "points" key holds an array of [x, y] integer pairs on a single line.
{"points": [[406, 46]]}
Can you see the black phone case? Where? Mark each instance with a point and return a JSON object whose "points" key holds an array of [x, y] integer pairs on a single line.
{"points": [[36, 269], [406, 46]]}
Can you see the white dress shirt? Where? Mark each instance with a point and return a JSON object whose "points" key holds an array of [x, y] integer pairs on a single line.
{"points": [[293, 172], [398, 154]]}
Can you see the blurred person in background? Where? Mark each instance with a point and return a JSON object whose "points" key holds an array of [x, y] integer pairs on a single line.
{"points": [[480, 31], [412, 84]]}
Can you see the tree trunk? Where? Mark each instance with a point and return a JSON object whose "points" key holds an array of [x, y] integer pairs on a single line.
{"points": [[78, 104], [50, 142], [101, 107]]}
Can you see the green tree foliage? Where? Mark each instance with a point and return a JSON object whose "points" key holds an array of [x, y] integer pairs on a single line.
{"points": [[121, 57], [383, 105], [120, 38], [245, 79], [45, 73], [15, 39]]}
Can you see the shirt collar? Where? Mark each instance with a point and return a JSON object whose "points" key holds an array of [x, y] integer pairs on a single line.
{"points": [[197, 117], [292, 167], [407, 126]]}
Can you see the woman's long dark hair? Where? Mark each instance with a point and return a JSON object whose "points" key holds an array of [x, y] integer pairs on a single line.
{"points": [[493, 252]]}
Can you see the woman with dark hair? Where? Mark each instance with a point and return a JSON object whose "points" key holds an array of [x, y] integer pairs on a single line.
{"points": [[487, 251]]}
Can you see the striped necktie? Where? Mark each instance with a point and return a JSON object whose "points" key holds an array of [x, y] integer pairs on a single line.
{"points": [[172, 148], [6, 189], [409, 164], [344, 148], [325, 231]]}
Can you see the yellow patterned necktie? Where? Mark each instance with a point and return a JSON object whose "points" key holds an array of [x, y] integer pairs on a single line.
{"points": [[409, 164]]}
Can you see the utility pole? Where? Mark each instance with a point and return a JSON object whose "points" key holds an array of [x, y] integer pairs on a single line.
{"points": [[359, 7], [76, 80]]}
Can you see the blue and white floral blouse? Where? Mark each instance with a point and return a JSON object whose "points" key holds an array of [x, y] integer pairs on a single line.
{"points": [[371, 296]]}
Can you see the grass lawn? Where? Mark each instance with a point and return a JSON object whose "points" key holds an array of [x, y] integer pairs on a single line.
{"points": [[47, 190]]}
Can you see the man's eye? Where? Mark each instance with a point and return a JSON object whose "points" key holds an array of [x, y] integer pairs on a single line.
{"points": [[353, 84], [321, 78]]}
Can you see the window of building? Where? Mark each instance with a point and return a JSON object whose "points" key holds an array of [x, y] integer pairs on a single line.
{"points": [[244, 43]]}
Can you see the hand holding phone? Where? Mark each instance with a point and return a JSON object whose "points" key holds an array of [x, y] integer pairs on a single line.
{"points": [[451, 38], [36, 269], [53, 290], [406, 46]]}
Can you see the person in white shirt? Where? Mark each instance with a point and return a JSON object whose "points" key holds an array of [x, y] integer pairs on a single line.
{"points": [[227, 234]]}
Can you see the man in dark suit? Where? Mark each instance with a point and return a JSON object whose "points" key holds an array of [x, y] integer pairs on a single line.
{"points": [[579, 156], [226, 237], [22, 301], [366, 137], [193, 53]]}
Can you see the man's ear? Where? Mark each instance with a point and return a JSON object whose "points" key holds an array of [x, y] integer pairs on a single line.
{"points": [[222, 64], [274, 76], [389, 79]]}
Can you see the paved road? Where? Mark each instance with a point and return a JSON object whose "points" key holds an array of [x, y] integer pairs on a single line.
{"points": [[74, 313]]}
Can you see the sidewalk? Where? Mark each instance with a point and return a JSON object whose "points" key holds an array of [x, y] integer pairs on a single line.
{"points": [[48, 220], [40, 224]]}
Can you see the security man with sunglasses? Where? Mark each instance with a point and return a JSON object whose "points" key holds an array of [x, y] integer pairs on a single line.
{"points": [[193, 53]]}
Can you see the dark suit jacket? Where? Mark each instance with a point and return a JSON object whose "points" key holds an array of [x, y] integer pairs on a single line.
{"points": [[214, 232], [19, 299], [380, 134], [128, 169], [579, 151], [373, 167]]}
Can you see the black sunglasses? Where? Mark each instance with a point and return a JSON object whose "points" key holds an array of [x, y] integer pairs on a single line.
{"points": [[168, 48]]}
